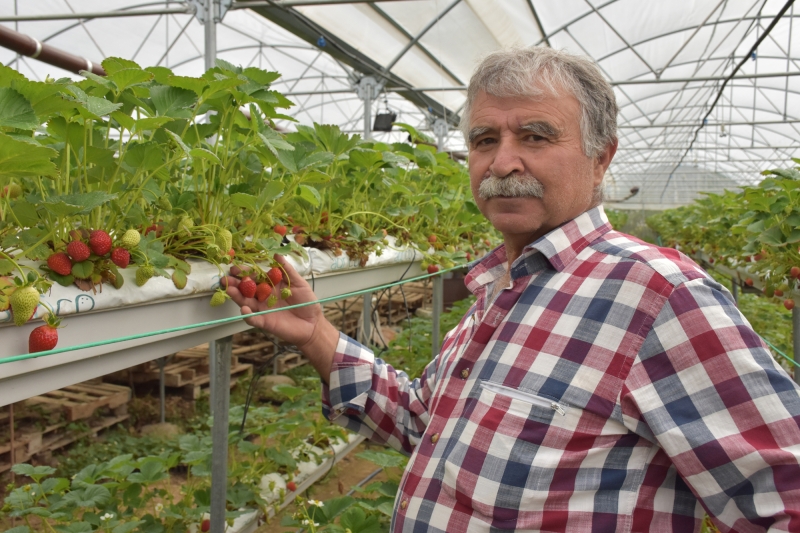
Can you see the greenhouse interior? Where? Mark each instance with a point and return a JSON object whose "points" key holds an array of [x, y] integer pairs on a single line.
{"points": [[448, 329]]}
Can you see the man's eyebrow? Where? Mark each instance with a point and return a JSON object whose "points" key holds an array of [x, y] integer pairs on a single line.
{"points": [[544, 129], [474, 133]]}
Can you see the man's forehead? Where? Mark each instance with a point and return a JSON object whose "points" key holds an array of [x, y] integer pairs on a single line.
{"points": [[516, 111]]}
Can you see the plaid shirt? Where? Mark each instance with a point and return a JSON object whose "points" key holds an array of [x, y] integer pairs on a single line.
{"points": [[613, 386]]}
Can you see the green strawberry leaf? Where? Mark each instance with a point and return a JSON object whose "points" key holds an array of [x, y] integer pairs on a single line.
{"points": [[16, 111], [20, 158], [64, 281], [83, 270]]}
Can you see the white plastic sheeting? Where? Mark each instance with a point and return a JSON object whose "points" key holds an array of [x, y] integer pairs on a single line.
{"points": [[666, 59]]}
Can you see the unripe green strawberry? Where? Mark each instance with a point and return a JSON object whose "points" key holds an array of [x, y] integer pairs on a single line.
{"points": [[144, 273], [219, 298], [186, 223], [272, 300], [164, 203], [224, 240], [130, 239], [286, 293], [23, 303]]}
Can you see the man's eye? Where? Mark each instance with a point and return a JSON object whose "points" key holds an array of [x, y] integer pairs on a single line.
{"points": [[484, 141], [536, 138]]}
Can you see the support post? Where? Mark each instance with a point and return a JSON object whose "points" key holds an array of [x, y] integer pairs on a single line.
{"points": [[220, 350], [162, 362], [440, 129], [796, 341], [735, 291], [366, 322], [210, 27], [367, 89], [12, 452], [438, 304]]}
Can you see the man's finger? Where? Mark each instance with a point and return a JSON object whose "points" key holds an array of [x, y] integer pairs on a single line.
{"points": [[294, 278]]}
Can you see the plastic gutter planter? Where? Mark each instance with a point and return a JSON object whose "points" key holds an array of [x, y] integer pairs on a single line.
{"points": [[25, 378]]}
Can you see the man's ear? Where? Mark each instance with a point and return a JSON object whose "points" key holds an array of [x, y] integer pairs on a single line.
{"points": [[603, 160]]}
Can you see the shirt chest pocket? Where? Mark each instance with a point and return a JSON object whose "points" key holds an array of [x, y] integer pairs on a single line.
{"points": [[513, 450]]}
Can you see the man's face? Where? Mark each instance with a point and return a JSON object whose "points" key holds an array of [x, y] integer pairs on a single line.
{"points": [[516, 141]]}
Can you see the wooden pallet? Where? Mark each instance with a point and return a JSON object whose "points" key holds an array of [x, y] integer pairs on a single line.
{"points": [[198, 386], [289, 360], [30, 442], [75, 402]]}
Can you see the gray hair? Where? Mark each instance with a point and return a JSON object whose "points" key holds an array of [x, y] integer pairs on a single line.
{"points": [[537, 71]]}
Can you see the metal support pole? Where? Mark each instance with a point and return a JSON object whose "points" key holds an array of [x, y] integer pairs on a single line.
{"points": [[212, 376], [12, 457], [367, 89], [735, 291], [368, 112], [161, 392], [796, 341], [210, 23], [440, 129], [220, 400], [438, 303], [366, 323]]}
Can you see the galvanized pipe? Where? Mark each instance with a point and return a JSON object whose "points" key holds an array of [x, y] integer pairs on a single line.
{"points": [[29, 47], [220, 351], [366, 321], [188, 10], [796, 341], [438, 305]]}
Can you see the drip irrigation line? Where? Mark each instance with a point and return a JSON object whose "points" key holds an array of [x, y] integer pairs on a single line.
{"points": [[219, 321], [741, 63]]}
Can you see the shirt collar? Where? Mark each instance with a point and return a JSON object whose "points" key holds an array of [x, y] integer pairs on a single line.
{"points": [[559, 248]]}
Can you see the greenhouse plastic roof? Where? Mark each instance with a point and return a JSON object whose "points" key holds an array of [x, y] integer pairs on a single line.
{"points": [[667, 61]]}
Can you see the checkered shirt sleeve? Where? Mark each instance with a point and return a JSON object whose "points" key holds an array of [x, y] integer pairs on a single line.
{"points": [[706, 390], [370, 397]]}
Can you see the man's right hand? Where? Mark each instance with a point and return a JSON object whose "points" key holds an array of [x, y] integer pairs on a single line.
{"points": [[305, 327]]}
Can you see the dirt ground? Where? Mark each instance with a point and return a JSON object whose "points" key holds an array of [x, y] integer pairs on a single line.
{"points": [[346, 474]]}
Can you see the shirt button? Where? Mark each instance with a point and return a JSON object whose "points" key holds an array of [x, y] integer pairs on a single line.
{"points": [[465, 373], [404, 504], [435, 438]]}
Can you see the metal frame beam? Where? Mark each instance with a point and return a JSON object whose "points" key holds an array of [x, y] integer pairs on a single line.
{"points": [[188, 10], [340, 50]]}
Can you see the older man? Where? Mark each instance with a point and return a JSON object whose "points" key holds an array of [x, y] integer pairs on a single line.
{"points": [[598, 383]]}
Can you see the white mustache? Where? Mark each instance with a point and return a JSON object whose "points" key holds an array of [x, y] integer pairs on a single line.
{"points": [[514, 186]]}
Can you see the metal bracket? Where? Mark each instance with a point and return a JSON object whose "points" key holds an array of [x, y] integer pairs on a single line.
{"points": [[220, 7], [440, 127], [368, 82]]}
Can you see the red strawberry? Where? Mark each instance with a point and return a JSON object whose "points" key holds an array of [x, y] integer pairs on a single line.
{"points": [[247, 287], [298, 229], [43, 338], [263, 290], [778, 292], [279, 229], [60, 263], [748, 282], [231, 253], [433, 269], [292, 486], [121, 257], [155, 227], [78, 251], [795, 272], [275, 275], [788, 304], [99, 242], [432, 239], [205, 525]]}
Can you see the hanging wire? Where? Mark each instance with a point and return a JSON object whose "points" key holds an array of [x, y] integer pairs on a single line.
{"points": [[741, 63]]}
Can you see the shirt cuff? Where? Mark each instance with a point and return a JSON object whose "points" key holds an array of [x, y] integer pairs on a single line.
{"points": [[350, 379]]}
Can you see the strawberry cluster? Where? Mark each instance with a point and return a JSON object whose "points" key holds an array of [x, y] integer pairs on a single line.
{"points": [[259, 284]]}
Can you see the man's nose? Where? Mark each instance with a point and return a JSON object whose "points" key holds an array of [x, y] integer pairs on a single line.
{"points": [[507, 160]]}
